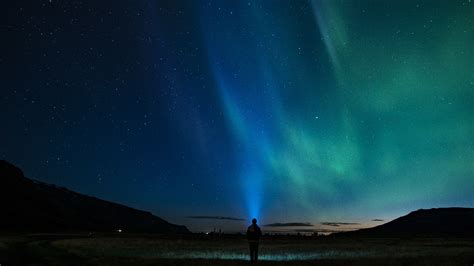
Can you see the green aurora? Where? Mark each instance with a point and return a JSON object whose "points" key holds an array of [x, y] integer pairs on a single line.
{"points": [[364, 108]]}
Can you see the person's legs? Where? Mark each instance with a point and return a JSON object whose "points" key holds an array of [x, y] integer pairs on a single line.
{"points": [[256, 252], [251, 252]]}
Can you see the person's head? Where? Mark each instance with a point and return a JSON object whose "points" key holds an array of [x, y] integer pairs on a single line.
{"points": [[254, 221]]}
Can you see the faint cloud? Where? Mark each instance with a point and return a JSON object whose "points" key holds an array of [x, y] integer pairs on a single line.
{"points": [[338, 223], [216, 218], [377, 220], [324, 231], [288, 224]]}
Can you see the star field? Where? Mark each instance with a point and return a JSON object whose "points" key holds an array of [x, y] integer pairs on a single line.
{"points": [[283, 110]]}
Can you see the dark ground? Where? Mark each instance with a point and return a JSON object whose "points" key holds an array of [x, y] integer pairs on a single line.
{"points": [[128, 249]]}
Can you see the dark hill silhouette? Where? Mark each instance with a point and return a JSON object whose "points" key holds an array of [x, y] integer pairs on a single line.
{"points": [[32, 206], [457, 222]]}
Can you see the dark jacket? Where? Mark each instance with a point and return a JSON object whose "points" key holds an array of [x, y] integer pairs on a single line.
{"points": [[254, 233]]}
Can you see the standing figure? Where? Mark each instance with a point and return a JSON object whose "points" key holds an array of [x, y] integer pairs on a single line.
{"points": [[253, 236]]}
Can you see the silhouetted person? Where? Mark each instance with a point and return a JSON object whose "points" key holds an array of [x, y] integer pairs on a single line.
{"points": [[253, 236]]}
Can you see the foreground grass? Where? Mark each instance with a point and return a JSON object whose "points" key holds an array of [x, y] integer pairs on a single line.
{"points": [[146, 250]]}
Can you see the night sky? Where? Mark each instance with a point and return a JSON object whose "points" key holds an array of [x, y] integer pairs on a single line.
{"points": [[290, 111]]}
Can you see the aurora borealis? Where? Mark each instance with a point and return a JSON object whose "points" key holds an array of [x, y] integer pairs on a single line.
{"points": [[308, 111]]}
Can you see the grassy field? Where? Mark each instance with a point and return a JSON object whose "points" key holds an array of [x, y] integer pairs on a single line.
{"points": [[230, 250]]}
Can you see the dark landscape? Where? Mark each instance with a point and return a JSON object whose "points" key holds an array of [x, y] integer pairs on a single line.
{"points": [[34, 206], [46, 225], [129, 249]]}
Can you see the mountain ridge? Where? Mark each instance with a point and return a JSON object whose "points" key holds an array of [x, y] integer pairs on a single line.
{"points": [[452, 221], [33, 206]]}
